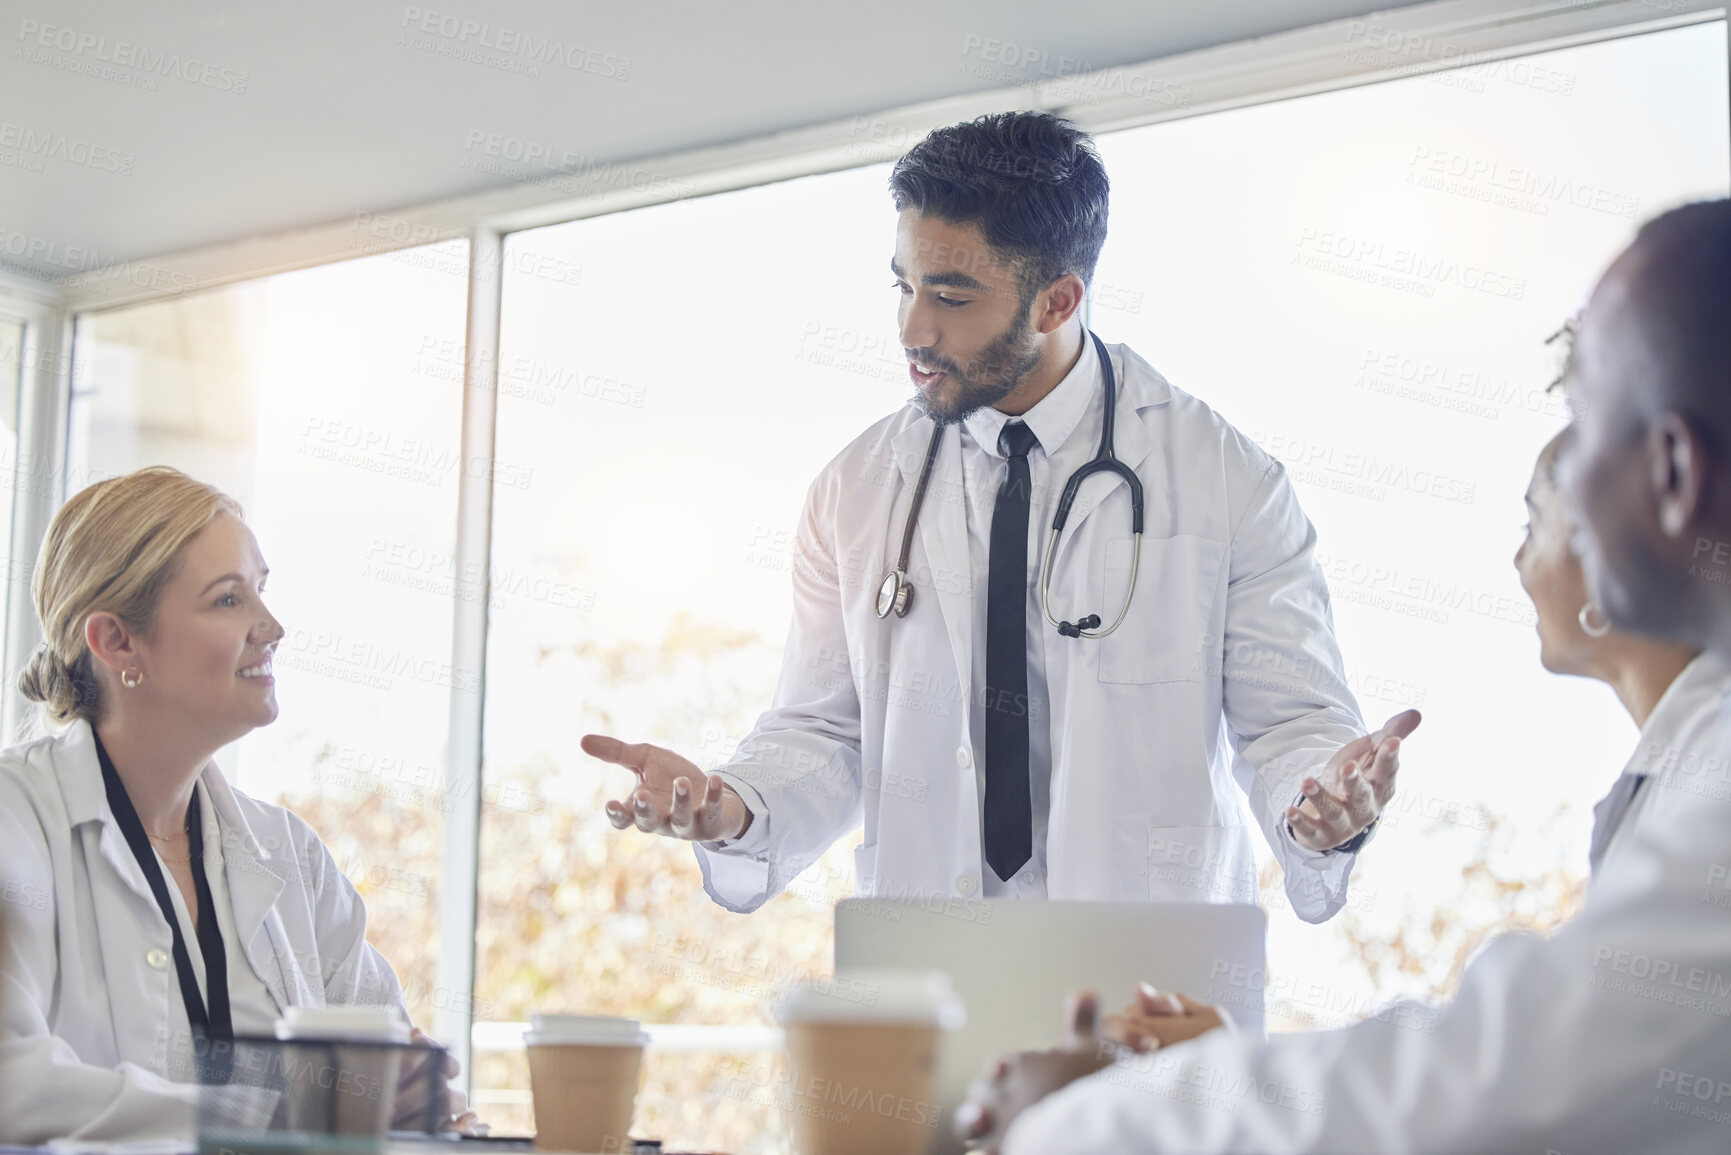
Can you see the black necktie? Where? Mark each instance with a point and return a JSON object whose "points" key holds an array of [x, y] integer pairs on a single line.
{"points": [[1009, 808], [1608, 815]]}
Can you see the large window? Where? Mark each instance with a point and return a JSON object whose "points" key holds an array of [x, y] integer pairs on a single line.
{"points": [[670, 381], [1363, 281], [320, 400]]}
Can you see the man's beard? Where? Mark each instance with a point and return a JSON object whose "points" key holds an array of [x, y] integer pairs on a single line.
{"points": [[990, 377]]}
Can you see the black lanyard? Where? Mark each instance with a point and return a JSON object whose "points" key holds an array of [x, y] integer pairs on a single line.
{"points": [[217, 1025]]}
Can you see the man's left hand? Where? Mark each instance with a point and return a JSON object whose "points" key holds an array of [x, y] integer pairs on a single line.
{"points": [[1353, 788]]}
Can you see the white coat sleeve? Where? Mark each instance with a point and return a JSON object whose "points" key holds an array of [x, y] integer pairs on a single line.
{"points": [[46, 1091], [798, 771], [1610, 1037], [1284, 692], [354, 972]]}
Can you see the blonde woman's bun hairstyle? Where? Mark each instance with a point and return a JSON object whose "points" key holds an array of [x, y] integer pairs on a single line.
{"points": [[66, 692], [111, 548]]}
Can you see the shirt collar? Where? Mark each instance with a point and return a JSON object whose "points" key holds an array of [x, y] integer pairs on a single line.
{"points": [[1055, 417], [80, 775]]}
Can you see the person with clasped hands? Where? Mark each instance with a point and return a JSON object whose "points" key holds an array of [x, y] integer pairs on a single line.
{"points": [[1610, 1036], [991, 752], [169, 911]]}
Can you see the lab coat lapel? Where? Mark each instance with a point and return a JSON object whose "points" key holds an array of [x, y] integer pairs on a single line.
{"points": [[945, 579], [254, 891], [255, 884]]}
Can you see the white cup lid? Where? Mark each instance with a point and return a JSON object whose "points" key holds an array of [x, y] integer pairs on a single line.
{"points": [[875, 996], [355, 1024], [589, 1030]]}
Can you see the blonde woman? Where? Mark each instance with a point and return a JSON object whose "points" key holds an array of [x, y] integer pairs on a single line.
{"points": [[155, 910]]}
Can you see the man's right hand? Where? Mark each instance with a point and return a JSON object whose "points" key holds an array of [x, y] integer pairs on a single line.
{"points": [[666, 800]]}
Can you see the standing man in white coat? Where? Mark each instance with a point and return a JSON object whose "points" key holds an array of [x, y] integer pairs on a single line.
{"points": [[935, 686]]}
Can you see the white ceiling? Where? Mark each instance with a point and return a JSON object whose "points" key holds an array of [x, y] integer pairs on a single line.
{"points": [[142, 129]]}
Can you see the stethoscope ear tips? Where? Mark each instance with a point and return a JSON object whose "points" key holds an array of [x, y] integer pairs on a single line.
{"points": [[1074, 629]]}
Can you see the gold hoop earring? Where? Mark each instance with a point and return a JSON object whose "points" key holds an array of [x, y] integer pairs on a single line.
{"points": [[131, 677], [1588, 627]]}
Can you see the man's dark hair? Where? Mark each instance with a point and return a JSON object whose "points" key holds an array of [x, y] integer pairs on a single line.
{"points": [[1030, 181]]}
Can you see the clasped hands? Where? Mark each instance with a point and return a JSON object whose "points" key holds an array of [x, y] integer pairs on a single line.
{"points": [[1016, 1082], [1344, 799]]}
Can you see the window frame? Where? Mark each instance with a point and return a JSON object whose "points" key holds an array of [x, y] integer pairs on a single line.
{"points": [[36, 474]]}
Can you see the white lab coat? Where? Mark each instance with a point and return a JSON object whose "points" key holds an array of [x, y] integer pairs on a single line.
{"points": [[89, 999], [1226, 668], [1611, 1037]]}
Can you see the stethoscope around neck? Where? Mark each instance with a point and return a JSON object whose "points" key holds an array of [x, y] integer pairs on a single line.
{"points": [[896, 594]]}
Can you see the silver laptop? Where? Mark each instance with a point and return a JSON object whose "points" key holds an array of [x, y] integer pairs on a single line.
{"points": [[1014, 963]]}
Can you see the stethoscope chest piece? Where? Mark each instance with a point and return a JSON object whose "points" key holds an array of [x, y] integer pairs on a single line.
{"points": [[896, 594]]}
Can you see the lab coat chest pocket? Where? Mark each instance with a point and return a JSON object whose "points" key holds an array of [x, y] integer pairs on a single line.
{"points": [[1162, 638]]}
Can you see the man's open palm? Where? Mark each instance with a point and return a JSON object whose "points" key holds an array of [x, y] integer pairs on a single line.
{"points": [[673, 796], [1353, 788]]}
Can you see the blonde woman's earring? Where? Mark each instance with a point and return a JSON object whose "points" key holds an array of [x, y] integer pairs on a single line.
{"points": [[131, 677]]}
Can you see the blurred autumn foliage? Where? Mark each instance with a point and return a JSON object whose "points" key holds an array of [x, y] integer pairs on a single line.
{"points": [[1434, 949], [575, 916], [1420, 953]]}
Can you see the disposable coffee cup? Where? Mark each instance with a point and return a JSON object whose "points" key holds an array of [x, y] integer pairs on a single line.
{"points": [[583, 1075], [343, 1063], [862, 1060]]}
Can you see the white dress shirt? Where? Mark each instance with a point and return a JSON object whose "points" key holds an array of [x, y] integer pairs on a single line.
{"points": [[94, 1042], [1064, 444], [1611, 1037]]}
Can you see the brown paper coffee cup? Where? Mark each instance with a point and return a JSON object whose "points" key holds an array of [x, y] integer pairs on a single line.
{"points": [[862, 1059], [862, 1088], [583, 1076]]}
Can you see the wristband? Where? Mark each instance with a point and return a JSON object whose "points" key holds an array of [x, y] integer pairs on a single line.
{"points": [[1351, 845]]}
